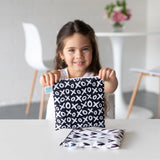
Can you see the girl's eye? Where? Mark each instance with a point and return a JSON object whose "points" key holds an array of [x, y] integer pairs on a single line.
{"points": [[71, 50], [85, 49]]}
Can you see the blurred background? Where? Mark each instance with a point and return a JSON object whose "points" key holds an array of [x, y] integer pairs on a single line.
{"points": [[49, 16]]}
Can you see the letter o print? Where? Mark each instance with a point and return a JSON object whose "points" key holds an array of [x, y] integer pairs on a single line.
{"points": [[72, 85], [100, 104], [85, 125], [68, 105], [63, 114], [94, 84], [57, 93], [63, 127], [73, 114], [84, 112], [96, 124], [58, 120], [67, 91], [84, 98], [100, 89], [74, 126], [73, 99], [95, 97], [61, 85], [68, 119], [90, 118], [101, 117], [78, 92], [62, 99], [89, 89], [95, 112], [79, 119], [83, 83], [89, 103], [79, 107]]}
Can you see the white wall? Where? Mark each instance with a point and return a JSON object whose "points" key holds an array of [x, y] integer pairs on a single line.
{"points": [[49, 16], [153, 43]]}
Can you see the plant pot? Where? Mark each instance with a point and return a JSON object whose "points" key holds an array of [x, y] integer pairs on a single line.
{"points": [[117, 27]]}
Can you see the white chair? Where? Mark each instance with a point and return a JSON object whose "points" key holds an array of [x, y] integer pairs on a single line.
{"points": [[153, 72], [33, 56]]}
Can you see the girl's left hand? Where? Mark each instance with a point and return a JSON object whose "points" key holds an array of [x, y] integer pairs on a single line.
{"points": [[110, 79], [107, 74]]}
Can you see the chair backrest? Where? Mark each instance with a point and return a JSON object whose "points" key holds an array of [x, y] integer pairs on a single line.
{"points": [[33, 47]]}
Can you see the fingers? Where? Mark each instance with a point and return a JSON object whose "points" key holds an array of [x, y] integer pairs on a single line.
{"points": [[42, 80], [48, 79], [106, 74], [112, 74], [56, 78]]}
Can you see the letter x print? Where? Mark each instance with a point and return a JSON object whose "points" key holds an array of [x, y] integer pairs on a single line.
{"points": [[74, 120], [73, 92], [94, 90], [100, 96], [79, 113], [77, 84], [90, 110], [67, 84], [56, 99], [85, 119], [95, 118], [78, 98], [96, 104], [58, 114], [56, 86], [89, 82], [99, 83], [101, 123], [62, 92], [63, 121]]}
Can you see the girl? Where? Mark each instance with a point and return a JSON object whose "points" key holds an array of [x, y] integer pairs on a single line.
{"points": [[77, 56]]}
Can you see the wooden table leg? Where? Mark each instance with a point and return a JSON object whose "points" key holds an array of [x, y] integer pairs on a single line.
{"points": [[134, 95]]}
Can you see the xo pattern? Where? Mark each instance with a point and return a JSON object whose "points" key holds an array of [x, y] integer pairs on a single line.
{"points": [[79, 103]]}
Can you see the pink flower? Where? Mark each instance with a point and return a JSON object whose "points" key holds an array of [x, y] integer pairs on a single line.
{"points": [[118, 17], [105, 15]]}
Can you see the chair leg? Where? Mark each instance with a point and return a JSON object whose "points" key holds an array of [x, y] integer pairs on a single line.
{"points": [[134, 95], [31, 92], [48, 95], [42, 104], [159, 100]]}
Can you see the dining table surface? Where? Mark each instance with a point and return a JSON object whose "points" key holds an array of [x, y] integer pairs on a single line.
{"points": [[38, 140]]}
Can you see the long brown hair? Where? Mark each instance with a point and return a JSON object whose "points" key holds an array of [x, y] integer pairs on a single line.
{"points": [[70, 28]]}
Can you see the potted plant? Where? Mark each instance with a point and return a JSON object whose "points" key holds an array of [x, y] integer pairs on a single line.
{"points": [[117, 13]]}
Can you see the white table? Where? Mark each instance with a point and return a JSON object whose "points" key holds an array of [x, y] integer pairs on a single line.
{"points": [[33, 140], [117, 41]]}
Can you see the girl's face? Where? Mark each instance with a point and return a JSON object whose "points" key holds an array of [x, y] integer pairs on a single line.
{"points": [[77, 53]]}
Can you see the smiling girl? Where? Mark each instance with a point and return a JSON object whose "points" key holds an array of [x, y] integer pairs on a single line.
{"points": [[77, 56]]}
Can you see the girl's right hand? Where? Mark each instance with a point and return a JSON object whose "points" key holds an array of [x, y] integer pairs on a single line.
{"points": [[49, 78]]}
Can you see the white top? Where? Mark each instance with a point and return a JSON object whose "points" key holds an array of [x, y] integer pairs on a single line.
{"points": [[50, 115], [153, 72], [125, 34], [32, 140]]}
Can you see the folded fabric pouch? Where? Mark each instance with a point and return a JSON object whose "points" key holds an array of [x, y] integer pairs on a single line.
{"points": [[98, 138], [79, 103]]}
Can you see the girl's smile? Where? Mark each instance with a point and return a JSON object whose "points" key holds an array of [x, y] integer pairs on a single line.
{"points": [[79, 63]]}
